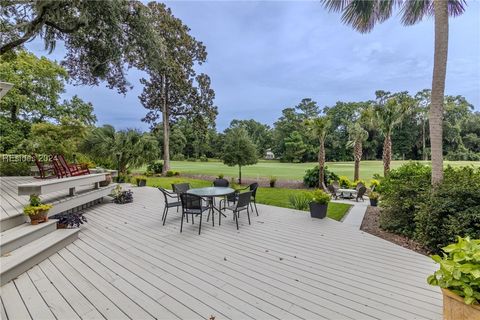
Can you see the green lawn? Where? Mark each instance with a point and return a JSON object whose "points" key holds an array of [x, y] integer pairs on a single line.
{"points": [[289, 171], [271, 196]]}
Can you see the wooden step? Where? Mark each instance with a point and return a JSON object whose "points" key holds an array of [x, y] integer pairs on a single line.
{"points": [[12, 221], [20, 260], [24, 234]]}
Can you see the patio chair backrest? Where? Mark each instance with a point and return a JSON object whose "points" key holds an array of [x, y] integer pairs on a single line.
{"points": [[166, 194], [336, 185], [359, 185], [253, 188], [60, 170], [244, 199], [191, 201], [361, 191], [331, 189], [180, 188], [221, 183]]}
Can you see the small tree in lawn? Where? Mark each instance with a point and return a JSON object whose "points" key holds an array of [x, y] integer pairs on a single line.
{"points": [[239, 150]]}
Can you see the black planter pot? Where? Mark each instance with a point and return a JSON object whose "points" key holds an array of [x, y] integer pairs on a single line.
{"points": [[141, 183], [318, 210], [272, 184], [373, 203]]}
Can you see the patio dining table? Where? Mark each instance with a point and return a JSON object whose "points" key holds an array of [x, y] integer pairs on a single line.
{"points": [[347, 193], [210, 193]]}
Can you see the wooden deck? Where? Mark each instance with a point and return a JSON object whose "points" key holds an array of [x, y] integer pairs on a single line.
{"points": [[285, 265]]}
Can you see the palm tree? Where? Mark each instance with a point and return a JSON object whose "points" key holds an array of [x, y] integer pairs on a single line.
{"points": [[387, 112], [357, 135], [125, 149], [363, 15], [319, 127]]}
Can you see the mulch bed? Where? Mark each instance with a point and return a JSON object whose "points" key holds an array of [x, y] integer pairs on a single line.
{"points": [[370, 225], [263, 182]]}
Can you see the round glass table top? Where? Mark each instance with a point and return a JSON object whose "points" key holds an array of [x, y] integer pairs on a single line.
{"points": [[211, 191]]}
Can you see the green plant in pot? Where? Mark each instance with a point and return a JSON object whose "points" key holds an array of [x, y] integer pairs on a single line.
{"points": [[273, 181], [459, 278], [141, 181], [319, 204], [373, 196], [36, 210]]}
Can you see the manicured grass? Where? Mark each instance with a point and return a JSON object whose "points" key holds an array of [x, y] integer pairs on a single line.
{"points": [[289, 171], [271, 196]]}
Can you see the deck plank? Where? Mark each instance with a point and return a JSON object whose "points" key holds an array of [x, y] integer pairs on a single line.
{"points": [[32, 299], [13, 303]]}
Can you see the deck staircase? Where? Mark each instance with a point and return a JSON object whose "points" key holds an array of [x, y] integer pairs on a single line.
{"points": [[25, 245]]}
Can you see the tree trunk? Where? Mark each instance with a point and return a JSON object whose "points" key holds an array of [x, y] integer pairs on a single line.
{"points": [[13, 113], [387, 154], [239, 174], [321, 164], [438, 89], [357, 150], [166, 129], [424, 147]]}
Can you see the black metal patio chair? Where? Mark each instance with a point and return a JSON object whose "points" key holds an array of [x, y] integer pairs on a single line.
{"points": [[169, 202], [253, 187], [333, 191], [192, 204], [243, 203], [360, 193]]}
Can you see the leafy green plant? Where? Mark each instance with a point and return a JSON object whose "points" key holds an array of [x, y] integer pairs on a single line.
{"points": [[122, 196], [176, 173], [459, 269], [373, 195], [300, 201], [374, 183], [170, 173], [35, 206], [310, 179], [321, 197], [220, 176], [344, 182], [155, 167], [356, 182]]}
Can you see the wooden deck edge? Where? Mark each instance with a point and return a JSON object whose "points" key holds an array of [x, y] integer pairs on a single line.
{"points": [[12, 221]]}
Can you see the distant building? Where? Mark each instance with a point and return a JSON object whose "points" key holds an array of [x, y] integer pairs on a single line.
{"points": [[269, 155]]}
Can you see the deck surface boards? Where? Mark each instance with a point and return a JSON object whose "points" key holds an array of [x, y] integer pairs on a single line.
{"points": [[284, 265]]}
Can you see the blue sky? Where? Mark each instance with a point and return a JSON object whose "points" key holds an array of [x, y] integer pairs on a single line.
{"points": [[265, 56]]}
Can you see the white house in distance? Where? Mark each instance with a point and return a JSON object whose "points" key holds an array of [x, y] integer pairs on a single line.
{"points": [[269, 155]]}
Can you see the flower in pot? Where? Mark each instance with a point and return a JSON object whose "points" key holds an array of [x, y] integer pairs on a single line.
{"points": [[319, 204], [141, 181], [36, 210], [70, 220], [373, 196], [122, 196], [273, 180], [459, 278]]}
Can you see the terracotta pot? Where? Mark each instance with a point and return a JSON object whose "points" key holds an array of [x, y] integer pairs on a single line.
{"points": [[40, 217], [454, 308], [61, 226], [108, 180]]}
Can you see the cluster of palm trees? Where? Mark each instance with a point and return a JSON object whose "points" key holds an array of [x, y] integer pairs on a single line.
{"points": [[384, 114], [363, 15]]}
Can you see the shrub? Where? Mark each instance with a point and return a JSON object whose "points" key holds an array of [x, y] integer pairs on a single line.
{"points": [[310, 179], [170, 173], [373, 195], [14, 168], [344, 182], [155, 167], [192, 159], [374, 183], [300, 201], [356, 182], [121, 197], [321, 197], [403, 190], [178, 157], [176, 173], [452, 209], [459, 269], [220, 176], [203, 159]]}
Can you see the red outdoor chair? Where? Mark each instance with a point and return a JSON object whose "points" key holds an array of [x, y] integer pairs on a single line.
{"points": [[70, 170], [47, 171]]}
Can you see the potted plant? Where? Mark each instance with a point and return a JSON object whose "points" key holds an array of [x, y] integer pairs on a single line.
{"points": [[459, 278], [70, 220], [273, 180], [141, 181], [319, 204], [373, 196], [122, 196], [36, 210]]}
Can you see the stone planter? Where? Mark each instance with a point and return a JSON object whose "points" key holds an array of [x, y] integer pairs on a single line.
{"points": [[318, 210], [455, 309]]}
